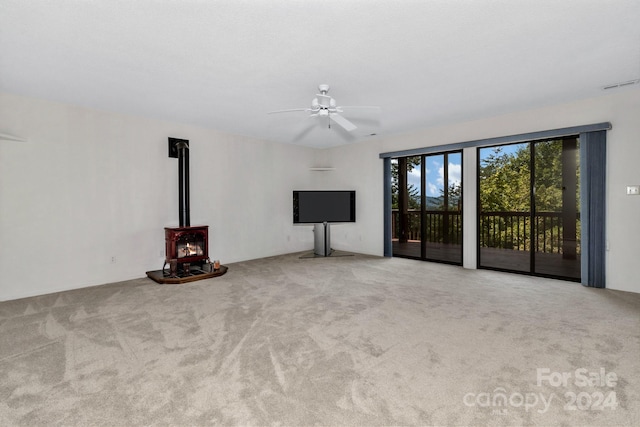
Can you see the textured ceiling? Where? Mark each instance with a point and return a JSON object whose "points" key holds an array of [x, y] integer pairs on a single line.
{"points": [[225, 64]]}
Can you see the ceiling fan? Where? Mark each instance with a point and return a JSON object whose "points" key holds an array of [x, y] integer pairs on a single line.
{"points": [[324, 105]]}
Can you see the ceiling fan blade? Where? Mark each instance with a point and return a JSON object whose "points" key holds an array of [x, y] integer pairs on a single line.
{"points": [[355, 107], [304, 132], [289, 111], [346, 124]]}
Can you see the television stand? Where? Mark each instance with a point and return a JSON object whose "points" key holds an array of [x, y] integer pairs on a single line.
{"points": [[322, 239], [322, 242]]}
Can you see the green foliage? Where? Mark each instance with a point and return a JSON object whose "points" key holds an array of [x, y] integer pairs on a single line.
{"points": [[548, 176], [505, 187], [504, 181], [505, 177], [413, 191]]}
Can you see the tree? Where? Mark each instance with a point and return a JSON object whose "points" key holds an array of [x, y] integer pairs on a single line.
{"points": [[412, 190], [505, 179]]}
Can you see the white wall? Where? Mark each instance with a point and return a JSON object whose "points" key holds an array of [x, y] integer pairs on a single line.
{"points": [[358, 166], [89, 185]]}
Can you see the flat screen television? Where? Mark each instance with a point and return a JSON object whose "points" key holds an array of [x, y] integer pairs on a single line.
{"points": [[312, 207]]}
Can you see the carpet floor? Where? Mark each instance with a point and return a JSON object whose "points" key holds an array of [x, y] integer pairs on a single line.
{"points": [[357, 340]]}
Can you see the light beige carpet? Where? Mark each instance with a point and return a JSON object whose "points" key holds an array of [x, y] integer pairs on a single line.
{"points": [[333, 341]]}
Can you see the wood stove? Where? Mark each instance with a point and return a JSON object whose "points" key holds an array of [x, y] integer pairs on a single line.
{"points": [[186, 244], [186, 247]]}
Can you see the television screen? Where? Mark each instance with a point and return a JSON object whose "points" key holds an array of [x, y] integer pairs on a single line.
{"points": [[311, 207]]}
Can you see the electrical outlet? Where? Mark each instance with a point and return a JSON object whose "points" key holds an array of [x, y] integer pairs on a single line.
{"points": [[633, 190], [113, 260]]}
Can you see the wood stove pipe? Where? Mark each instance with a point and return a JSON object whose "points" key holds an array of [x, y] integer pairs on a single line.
{"points": [[184, 207]]}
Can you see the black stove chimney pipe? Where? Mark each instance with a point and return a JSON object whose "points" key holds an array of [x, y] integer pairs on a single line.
{"points": [[183, 183], [180, 148]]}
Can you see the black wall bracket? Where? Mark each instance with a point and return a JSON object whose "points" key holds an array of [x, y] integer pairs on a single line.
{"points": [[173, 146]]}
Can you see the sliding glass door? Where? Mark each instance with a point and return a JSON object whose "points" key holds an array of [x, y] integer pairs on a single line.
{"points": [[529, 198], [406, 200], [427, 207]]}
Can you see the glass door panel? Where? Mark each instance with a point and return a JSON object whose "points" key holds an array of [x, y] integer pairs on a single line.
{"points": [[505, 207], [442, 216], [427, 207], [406, 206], [529, 197], [557, 204]]}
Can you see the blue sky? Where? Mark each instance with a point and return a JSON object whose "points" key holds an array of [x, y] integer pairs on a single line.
{"points": [[509, 149], [435, 173]]}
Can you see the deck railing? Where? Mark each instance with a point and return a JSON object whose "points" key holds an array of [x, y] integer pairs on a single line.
{"points": [[512, 230], [440, 226], [504, 230]]}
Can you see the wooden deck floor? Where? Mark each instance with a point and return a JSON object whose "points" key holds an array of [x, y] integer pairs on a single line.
{"points": [[546, 264], [505, 259], [434, 251]]}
